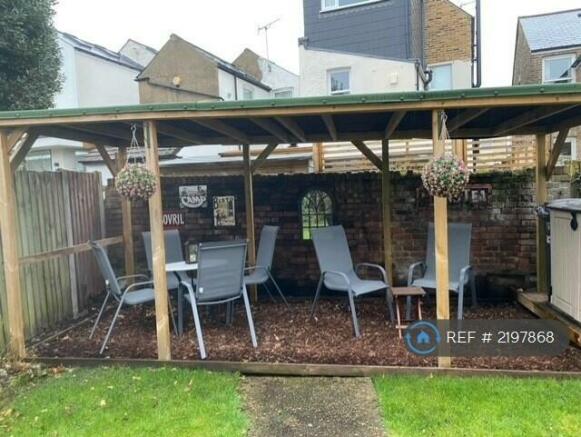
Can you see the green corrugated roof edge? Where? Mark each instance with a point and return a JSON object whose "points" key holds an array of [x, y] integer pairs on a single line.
{"points": [[385, 98]]}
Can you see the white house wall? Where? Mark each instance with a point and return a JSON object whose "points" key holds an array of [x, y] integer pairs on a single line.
{"points": [[368, 74], [103, 83], [277, 77]]}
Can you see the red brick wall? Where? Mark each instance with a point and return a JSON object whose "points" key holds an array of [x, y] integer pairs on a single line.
{"points": [[503, 232]]}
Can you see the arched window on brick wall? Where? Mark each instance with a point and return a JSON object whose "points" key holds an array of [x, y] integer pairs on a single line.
{"points": [[316, 212]]}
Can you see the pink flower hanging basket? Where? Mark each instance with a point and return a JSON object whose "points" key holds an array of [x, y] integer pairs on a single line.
{"points": [[135, 182], [446, 176]]}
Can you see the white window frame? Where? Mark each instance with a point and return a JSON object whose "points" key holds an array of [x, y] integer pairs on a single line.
{"points": [[571, 58], [284, 90], [444, 64], [339, 70], [337, 7], [247, 89]]}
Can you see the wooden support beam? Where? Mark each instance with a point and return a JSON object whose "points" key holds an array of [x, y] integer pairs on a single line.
{"points": [[529, 117], [465, 118], [127, 218], [386, 208], [109, 162], [249, 201], [318, 157], [331, 127], [14, 137], [158, 246], [10, 236], [368, 153], [393, 123], [541, 198], [66, 251], [556, 152], [20, 153], [179, 134], [441, 242], [293, 127], [117, 135], [272, 128], [224, 129], [260, 160]]}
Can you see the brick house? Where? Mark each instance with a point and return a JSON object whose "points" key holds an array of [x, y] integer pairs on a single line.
{"points": [[548, 50], [345, 40]]}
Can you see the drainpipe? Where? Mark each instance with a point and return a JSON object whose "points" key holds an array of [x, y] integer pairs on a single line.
{"points": [[477, 48]]}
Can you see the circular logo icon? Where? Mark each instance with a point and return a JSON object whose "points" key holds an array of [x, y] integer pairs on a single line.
{"points": [[422, 338]]}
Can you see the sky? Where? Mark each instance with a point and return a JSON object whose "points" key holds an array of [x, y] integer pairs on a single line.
{"points": [[226, 27]]}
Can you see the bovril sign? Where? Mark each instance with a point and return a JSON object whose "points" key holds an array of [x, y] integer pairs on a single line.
{"points": [[173, 219]]}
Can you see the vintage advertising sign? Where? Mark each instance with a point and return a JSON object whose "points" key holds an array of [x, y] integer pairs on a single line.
{"points": [[173, 219], [194, 196], [224, 213]]}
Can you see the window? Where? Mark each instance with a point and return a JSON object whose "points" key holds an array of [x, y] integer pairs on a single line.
{"points": [[558, 69], [316, 212], [247, 93], [569, 151], [283, 93], [441, 77], [329, 5], [339, 82], [38, 161]]}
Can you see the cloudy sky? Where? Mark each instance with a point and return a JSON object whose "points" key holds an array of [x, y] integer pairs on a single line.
{"points": [[226, 27]]}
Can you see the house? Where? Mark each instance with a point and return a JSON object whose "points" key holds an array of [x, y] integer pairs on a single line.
{"points": [[93, 76], [548, 50], [366, 46]]}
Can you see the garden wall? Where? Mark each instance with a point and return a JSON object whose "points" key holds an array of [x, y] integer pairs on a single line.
{"points": [[503, 224]]}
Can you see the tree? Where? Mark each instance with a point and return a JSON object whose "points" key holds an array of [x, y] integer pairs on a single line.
{"points": [[30, 57]]}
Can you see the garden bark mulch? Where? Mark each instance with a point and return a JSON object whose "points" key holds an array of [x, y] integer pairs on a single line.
{"points": [[290, 337]]}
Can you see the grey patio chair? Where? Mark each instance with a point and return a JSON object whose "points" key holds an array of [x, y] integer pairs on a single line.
{"points": [[117, 286], [173, 253], [260, 273], [339, 274], [461, 273], [220, 280]]}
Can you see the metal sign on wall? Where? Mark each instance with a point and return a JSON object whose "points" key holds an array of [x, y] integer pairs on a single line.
{"points": [[174, 219]]}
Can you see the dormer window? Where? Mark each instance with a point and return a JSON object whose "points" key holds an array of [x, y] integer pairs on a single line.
{"points": [[558, 69], [331, 5]]}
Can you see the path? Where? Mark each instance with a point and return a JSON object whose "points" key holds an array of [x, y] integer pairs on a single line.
{"points": [[313, 407]]}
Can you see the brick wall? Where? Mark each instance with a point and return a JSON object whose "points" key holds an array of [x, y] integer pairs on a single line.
{"points": [[448, 32], [503, 230]]}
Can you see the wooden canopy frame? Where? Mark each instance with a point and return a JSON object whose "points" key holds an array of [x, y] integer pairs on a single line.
{"points": [[475, 113]]}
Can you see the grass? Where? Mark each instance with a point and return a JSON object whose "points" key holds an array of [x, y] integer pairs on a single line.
{"points": [[451, 406], [128, 402]]}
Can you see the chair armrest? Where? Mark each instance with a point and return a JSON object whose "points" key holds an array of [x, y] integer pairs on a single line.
{"points": [[187, 285], [133, 277], [376, 267], [412, 270], [465, 275], [340, 274], [136, 285], [256, 268]]}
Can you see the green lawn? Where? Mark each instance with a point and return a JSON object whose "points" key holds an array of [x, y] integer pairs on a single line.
{"points": [[451, 406], [128, 402]]}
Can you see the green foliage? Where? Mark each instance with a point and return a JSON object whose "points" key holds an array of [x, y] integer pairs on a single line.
{"points": [[451, 406], [128, 402], [29, 55]]}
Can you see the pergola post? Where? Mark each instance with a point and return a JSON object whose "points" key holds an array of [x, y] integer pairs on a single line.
{"points": [[126, 213], [9, 231], [441, 240], [249, 201], [158, 246], [541, 198], [386, 208]]}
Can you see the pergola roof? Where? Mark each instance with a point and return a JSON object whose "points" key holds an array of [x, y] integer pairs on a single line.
{"points": [[472, 113]]}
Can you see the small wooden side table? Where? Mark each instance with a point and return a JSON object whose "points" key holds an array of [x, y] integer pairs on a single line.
{"points": [[406, 292]]}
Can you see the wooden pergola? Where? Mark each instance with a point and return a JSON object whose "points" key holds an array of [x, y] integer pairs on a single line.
{"points": [[472, 113]]}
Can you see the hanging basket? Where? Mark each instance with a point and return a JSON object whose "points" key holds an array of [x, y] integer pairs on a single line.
{"points": [[135, 182], [446, 176]]}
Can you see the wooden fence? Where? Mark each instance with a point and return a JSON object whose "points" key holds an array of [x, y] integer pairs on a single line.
{"points": [[57, 212], [498, 154]]}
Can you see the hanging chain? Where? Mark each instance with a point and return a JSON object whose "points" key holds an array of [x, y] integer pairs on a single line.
{"points": [[138, 154], [444, 134]]}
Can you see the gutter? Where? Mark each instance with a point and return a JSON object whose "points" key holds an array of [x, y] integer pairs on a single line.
{"points": [[477, 48]]}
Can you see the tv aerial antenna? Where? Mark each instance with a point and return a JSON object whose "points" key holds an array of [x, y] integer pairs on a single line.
{"points": [[265, 29]]}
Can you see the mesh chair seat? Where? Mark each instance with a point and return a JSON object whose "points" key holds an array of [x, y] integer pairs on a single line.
{"points": [[358, 285], [140, 296], [431, 284], [258, 276]]}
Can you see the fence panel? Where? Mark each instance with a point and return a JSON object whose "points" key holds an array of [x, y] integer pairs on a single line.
{"points": [[55, 211]]}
